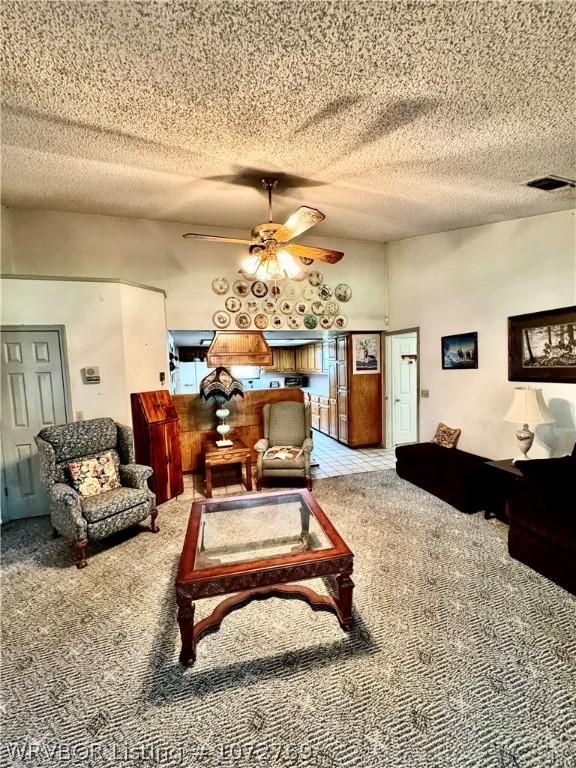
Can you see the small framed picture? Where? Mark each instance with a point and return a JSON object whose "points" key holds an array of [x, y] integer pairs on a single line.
{"points": [[460, 351], [365, 353]]}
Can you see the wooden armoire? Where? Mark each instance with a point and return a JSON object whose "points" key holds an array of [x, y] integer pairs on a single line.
{"points": [[157, 441], [355, 399]]}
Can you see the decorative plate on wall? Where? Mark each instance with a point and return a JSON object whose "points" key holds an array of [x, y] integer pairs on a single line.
{"points": [[277, 321], [301, 307], [232, 304], [259, 289], [317, 308], [286, 307], [221, 319], [310, 321], [324, 292], [251, 305], [276, 290], [243, 320], [292, 291], [343, 292], [269, 306], [331, 307], [340, 321], [261, 321], [294, 322], [241, 288], [220, 285], [309, 292], [326, 321], [315, 278]]}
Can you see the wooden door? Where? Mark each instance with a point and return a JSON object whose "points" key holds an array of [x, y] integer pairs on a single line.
{"points": [[332, 349], [33, 397]]}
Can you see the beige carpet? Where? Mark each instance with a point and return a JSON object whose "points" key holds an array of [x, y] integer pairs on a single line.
{"points": [[461, 657]]}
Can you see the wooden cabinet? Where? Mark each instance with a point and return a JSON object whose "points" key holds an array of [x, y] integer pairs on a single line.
{"points": [[324, 415], [274, 367], [157, 441], [333, 417], [286, 359], [315, 411], [358, 399], [318, 368]]}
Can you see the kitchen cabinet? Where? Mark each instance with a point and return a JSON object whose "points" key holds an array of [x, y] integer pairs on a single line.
{"points": [[157, 441], [318, 367], [324, 415], [275, 359], [283, 361], [315, 410], [333, 417]]}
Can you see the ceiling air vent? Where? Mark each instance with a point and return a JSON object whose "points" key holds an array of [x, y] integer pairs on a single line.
{"points": [[550, 183]]}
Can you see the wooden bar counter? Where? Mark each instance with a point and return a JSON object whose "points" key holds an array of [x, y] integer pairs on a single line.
{"points": [[198, 420]]}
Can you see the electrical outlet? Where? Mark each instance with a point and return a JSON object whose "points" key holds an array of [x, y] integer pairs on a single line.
{"points": [[424, 393]]}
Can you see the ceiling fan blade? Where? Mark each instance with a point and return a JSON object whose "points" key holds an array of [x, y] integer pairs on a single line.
{"points": [[216, 238], [299, 222], [309, 252]]}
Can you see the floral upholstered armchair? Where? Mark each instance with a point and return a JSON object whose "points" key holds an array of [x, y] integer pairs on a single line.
{"points": [[93, 484], [285, 449]]}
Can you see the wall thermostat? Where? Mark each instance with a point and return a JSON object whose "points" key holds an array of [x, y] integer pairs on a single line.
{"points": [[91, 375]]}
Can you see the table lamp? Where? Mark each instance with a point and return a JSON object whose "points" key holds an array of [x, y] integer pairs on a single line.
{"points": [[528, 407], [222, 386]]}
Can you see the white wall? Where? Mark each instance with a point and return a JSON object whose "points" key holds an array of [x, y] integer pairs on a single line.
{"points": [[118, 328], [473, 280], [154, 253]]}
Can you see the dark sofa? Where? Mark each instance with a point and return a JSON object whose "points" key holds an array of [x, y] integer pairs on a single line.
{"points": [[459, 478], [542, 517]]}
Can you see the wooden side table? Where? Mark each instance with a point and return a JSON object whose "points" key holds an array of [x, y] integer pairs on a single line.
{"points": [[508, 474], [237, 453]]}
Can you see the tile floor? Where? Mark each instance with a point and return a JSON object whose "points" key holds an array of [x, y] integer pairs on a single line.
{"points": [[333, 459]]}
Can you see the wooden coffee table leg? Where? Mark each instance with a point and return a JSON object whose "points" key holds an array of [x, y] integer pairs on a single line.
{"points": [[345, 588], [208, 480], [186, 623], [248, 474]]}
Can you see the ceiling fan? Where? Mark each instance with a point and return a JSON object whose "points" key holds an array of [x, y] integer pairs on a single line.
{"points": [[270, 253]]}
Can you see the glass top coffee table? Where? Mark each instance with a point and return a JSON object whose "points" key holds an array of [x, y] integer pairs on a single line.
{"points": [[253, 545]]}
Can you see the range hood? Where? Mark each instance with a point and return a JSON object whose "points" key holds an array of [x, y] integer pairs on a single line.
{"points": [[238, 348]]}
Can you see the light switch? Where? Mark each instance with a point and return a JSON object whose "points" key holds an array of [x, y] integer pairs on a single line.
{"points": [[424, 393]]}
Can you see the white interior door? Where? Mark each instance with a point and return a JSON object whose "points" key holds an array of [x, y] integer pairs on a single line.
{"points": [[188, 381], [33, 397], [404, 382]]}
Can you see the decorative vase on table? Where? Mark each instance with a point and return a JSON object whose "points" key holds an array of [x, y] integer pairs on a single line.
{"points": [[221, 386]]}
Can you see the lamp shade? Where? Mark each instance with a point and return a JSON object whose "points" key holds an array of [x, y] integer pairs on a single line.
{"points": [[528, 407], [220, 384]]}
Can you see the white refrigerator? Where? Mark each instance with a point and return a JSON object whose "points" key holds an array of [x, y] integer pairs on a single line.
{"points": [[191, 374]]}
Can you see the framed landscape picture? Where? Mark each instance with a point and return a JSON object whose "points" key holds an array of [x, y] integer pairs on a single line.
{"points": [[460, 351], [366, 353], [542, 346]]}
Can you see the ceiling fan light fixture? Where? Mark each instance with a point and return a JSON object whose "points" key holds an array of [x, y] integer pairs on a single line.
{"points": [[271, 266]]}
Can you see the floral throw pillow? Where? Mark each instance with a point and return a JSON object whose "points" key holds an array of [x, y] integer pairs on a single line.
{"points": [[95, 475], [446, 436]]}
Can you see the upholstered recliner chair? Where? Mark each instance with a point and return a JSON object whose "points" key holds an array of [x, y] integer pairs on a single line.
{"points": [[285, 424], [81, 518]]}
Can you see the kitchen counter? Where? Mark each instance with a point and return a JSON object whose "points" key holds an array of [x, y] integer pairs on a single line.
{"points": [[315, 391]]}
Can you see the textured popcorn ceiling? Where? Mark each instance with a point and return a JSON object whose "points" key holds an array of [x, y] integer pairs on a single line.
{"points": [[400, 118]]}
